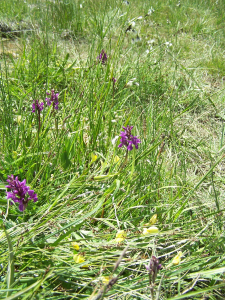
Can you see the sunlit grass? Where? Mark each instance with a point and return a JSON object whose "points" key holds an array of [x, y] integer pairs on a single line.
{"points": [[164, 199]]}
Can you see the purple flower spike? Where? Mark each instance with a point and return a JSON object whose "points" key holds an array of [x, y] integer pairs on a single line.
{"points": [[153, 268], [36, 106], [127, 139], [102, 57], [20, 192], [114, 80], [53, 99]]}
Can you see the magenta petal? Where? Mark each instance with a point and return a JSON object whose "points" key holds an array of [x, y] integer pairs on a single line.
{"points": [[30, 193], [20, 192], [21, 207], [129, 147], [147, 267], [127, 139], [10, 195]]}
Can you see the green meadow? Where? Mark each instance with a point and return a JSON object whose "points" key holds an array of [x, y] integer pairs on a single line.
{"points": [[95, 218]]}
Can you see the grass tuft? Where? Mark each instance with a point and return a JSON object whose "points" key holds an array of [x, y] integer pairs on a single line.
{"points": [[112, 223]]}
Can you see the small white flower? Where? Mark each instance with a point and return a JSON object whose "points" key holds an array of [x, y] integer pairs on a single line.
{"points": [[115, 140], [139, 18], [150, 11], [131, 82], [152, 41], [113, 121], [147, 51], [81, 6], [168, 44]]}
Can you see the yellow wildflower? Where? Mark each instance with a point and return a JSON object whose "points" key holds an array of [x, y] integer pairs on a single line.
{"points": [[116, 159], [153, 219], [19, 119], [120, 236], [75, 245], [78, 258], [105, 279], [93, 157], [176, 259], [14, 154], [150, 230]]}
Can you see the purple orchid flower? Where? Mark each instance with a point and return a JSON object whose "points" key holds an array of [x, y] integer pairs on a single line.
{"points": [[20, 192], [127, 139], [36, 106], [153, 268], [102, 57], [54, 99]]}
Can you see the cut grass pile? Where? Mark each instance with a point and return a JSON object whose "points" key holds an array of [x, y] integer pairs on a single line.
{"points": [[94, 226]]}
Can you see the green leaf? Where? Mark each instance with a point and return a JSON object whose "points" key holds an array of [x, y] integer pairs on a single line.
{"points": [[201, 291], [10, 273], [32, 286]]}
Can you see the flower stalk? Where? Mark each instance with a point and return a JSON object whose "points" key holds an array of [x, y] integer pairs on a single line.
{"points": [[54, 100], [153, 267], [114, 82], [38, 107]]}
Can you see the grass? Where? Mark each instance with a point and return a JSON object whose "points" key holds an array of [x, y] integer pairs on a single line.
{"points": [[170, 87]]}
